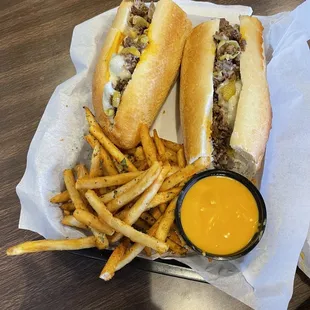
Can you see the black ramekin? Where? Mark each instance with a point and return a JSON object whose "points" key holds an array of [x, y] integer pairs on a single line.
{"points": [[260, 205]]}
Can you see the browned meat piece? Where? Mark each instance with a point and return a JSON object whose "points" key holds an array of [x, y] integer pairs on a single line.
{"points": [[131, 62]]}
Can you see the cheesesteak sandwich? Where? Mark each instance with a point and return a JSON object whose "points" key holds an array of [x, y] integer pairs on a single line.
{"points": [[224, 100], [137, 66]]}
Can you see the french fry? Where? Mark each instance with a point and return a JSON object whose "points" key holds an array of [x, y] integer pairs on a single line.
{"points": [[139, 224], [135, 190], [104, 190], [102, 241], [136, 248], [120, 190], [182, 242], [148, 145], [171, 156], [139, 154], [166, 221], [173, 170], [108, 271], [120, 226], [162, 207], [163, 197], [172, 145], [141, 205], [155, 212], [70, 220], [97, 132], [81, 171], [178, 177], [130, 255], [66, 212], [181, 158], [159, 146], [52, 245], [92, 221], [145, 216], [121, 215], [95, 164], [61, 197], [69, 206], [174, 237], [142, 165], [176, 248], [107, 161], [107, 181], [74, 194]]}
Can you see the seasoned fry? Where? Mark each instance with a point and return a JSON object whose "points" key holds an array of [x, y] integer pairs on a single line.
{"points": [[81, 171], [74, 194], [171, 156], [148, 145], [95, 165], [166, 221], [142, 165], [159, 146], [104, 190], [174, 237], [122, 227], [91, 140], [92, 221], [112, 180], [164, 197], [141, 205], [172, 145], [136, 249], [181, 158], [70, 220], [139, 224], [108, 271], [173, 170], [176, 248], [155, 212], [107, 161], [135, 190], [97, 132], [61, 197], [52, 245], [130, 255], [198, 165], [102, 241], [181, 240], [120, 190], [139, 153], [69, 206], [145, 216], [162, 207], [66, 212], [121, 215]]}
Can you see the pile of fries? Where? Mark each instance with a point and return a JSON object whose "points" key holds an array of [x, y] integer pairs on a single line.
{"points": [[125, 201]]}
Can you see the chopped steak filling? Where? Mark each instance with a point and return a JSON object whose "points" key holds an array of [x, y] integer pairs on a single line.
{"points": [[133, 44], [226, 75]]}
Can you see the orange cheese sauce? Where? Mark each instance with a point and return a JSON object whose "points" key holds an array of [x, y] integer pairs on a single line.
{"points": [[219, 215]]}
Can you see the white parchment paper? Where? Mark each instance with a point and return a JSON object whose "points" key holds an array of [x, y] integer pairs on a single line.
{"points": [[264, 278]]}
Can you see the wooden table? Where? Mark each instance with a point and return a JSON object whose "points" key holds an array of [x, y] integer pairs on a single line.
{"points": [[35, 40]]}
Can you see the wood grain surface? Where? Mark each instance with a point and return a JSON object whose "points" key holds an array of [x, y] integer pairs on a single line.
{"points": [[34, 42]]}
